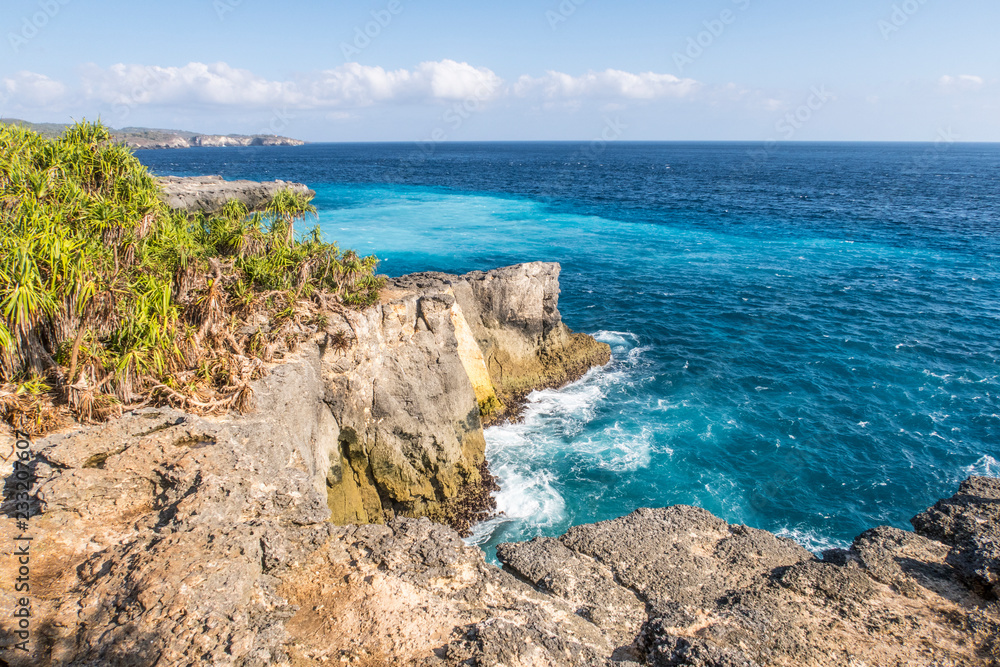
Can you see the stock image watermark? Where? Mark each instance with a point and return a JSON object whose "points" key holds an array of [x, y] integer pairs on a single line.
{"points": [[569, 165], [944, 140], [787, 127], [796, 119], [18, 500], [614, 130], [900, 16], [122, 109], [452, 120], [278, 123], [223, 7], [365, 35], [714, 28], [563, 12], [32, 25]]}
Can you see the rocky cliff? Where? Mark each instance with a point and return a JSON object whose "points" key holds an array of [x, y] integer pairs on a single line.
{"points": [[156, 533], [410, 381], [165, 139], [144, 137], [209, 194], [162, 538]]}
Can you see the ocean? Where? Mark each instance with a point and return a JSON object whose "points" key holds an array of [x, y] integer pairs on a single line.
{"points": [[806, 337]]}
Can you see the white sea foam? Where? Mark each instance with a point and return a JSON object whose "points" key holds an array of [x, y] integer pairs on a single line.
{"points": [[523, 498], [618, 449], [986, 466], [811, 540], [553, 426]]}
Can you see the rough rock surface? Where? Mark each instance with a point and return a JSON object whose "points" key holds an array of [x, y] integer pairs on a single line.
{"points": [[969, 522], [719, 595], [513, 315], [191, 544], [209, 194], [161, 538], [155, 536], [410, 382]]}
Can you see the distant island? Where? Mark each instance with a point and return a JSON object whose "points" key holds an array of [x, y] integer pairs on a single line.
{"points": [[144, 137]]}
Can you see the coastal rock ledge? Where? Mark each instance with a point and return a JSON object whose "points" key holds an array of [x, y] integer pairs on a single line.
{"points": [[208, 194], [163, 538]]}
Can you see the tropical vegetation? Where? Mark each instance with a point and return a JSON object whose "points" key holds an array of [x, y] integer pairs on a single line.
{"points": [[110, 300]]}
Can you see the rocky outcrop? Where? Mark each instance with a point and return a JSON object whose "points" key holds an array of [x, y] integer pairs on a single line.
{"points": [[231, 140], [159, 534], [139, 138], [715, 594], [209, 194], [513, 317], [969, 523], [167, 539], [411, 381]]}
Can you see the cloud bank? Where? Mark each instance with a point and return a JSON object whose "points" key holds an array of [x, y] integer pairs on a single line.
{"points": [[607, 85], [349, 86]]}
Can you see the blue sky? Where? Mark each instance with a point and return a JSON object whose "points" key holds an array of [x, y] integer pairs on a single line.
{"points": [[898, 70]]}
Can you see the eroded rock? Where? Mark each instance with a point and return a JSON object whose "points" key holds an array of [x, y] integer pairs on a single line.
{"points": [[411, 387], [969, 522], [208, 194], [719, 595]]}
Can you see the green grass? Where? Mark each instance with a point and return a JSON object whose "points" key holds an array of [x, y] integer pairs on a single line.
{"points": [[109, 299]]}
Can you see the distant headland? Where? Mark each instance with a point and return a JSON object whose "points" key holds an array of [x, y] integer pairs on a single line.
{"points": [[144, 137]]}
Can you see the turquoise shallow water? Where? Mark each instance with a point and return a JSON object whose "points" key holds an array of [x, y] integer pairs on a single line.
{"points": [[806, 343]]}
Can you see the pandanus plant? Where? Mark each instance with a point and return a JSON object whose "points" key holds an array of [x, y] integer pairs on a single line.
{"points": [[286, 207], [107, 298]]}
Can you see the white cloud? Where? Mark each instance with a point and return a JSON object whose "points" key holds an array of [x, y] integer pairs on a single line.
{"points": [[345, 88], [354, 84], [609, 84], [216, 84], [26, 89], [350, 85], [964, 81]]}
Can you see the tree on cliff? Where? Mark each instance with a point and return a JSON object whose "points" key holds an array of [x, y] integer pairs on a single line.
{"points": [[287, 206], [110, 299]]}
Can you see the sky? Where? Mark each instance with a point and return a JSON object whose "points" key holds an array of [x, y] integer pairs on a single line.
{"points": [[443, 70]]}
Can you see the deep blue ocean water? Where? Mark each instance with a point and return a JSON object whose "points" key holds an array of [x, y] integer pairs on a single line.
{"points": [[806, 337]]}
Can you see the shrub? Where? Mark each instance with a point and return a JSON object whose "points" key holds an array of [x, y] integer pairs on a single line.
{"points": [[110, 299]]}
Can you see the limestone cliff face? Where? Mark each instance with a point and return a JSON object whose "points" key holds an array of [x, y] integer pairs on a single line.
{"points": [[410, 438], [162, 530], [139, 138], [225, 141], [513, 315], [410, 384]]}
